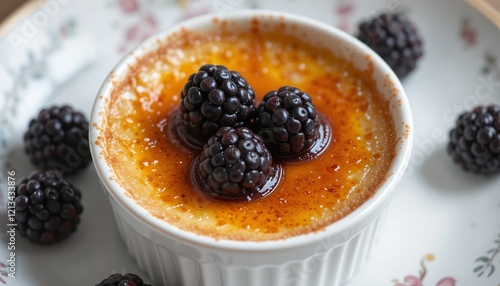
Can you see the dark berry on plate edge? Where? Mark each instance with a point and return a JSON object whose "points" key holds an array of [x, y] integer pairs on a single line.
{"points": [[118, 279], [233, 164], [48, 207], [395, 39], [287, 121], [58, 139], [214, 97], [475, 140]]}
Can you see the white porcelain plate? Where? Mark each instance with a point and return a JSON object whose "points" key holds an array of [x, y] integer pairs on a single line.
{"points": [[443, 227]]}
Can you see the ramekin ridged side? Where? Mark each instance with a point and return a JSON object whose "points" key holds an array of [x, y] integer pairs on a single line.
{"points": [[167, 263]]}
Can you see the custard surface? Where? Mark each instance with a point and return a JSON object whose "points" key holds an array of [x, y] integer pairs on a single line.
{"points": [[154, 167]]}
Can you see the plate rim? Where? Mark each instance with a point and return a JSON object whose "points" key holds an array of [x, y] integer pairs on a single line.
{"points": [[18, 15], [487, 10]]}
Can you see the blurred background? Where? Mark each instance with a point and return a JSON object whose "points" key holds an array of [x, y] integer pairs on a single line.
{"points": [[8, 6]]}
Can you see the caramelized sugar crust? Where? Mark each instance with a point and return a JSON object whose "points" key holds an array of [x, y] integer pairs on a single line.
{"points": [[153, 166]]}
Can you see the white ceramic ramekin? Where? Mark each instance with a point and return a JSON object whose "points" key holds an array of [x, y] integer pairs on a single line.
{"points": [[331, 257]]}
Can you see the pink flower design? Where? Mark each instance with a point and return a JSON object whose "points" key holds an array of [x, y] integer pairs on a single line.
{"points": [[138, 32], [467, 33], [344, 25], [67, 28], [3, 272], [344, 9], [447, 282], [129, 6], [131, 33], [410, 281], [195, 8]]}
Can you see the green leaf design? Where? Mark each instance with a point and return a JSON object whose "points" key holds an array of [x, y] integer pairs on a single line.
{"points": [[483, 259], [492, 269], [487, 262]]}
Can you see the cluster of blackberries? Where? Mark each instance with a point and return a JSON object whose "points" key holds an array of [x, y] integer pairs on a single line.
{"points": [[395, 39], [47, 205], [58, 139], [475, 140], [239, 141]]}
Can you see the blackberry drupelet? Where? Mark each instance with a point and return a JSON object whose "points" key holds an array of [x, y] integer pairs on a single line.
{"points": [[234, 164], [214, 97], [286, 120], [58, 139], [128, 279], [475, 140], [395, 39], [48, 207]]}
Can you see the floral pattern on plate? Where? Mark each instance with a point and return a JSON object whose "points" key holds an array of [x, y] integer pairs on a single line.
{"points": [[487, 262], [411, 280], [144, 25], [468, 34]]}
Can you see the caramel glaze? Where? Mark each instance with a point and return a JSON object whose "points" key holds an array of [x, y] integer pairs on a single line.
{"points": [[154, 167]]}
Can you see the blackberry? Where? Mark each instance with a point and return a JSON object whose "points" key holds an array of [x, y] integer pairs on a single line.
{"points": [[475, 140], [48, 207], [214, 97], [395, 39], [286, 120], [128, 279], [234, 163], [58, 139]]}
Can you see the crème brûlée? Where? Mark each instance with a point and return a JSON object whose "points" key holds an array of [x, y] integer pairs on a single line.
{"points": [[153, 165]]}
